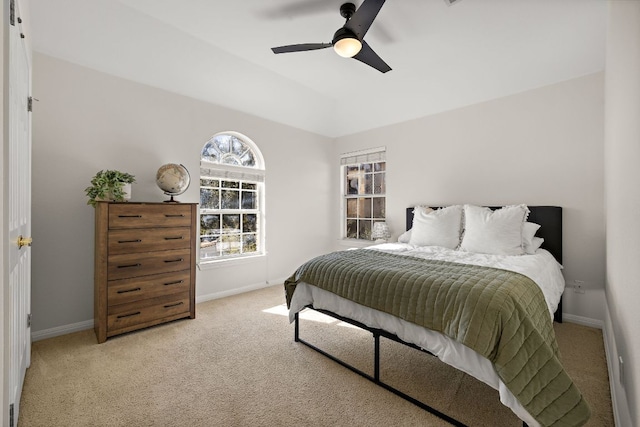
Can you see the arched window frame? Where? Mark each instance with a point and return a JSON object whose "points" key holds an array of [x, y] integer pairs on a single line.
{"points": [[232, 228]]}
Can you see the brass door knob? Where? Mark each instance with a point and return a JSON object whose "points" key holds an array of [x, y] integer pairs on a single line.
{"points": [[24, 241]]}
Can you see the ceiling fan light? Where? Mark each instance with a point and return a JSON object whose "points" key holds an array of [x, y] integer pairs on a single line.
{"points": [[347, 47]]}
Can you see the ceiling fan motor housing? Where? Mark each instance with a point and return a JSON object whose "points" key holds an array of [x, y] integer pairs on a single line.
{"points": [[347, 10]]}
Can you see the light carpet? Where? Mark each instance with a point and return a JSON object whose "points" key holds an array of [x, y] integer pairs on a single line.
{"points": [[236, 364]]}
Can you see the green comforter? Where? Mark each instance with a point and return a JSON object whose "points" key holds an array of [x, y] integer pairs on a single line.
{"points": [[500, 314]]}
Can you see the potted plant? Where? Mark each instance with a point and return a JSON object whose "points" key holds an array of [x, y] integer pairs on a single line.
{"points": [[109, 185]]}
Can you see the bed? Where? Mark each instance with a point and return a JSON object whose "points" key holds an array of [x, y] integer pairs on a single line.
{"points": [[391, 291]]}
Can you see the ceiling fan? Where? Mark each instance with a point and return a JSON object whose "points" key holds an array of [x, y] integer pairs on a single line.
{"points": [[348, 41]]}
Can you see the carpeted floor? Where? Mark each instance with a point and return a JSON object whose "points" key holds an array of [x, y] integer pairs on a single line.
{"points": [[236, 364]]}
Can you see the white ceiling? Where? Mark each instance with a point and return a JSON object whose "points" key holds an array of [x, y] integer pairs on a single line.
{"points": [[443, 57]]}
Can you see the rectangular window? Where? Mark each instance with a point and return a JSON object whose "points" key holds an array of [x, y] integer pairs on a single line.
{"points": [[229, 218], [364, 189]]}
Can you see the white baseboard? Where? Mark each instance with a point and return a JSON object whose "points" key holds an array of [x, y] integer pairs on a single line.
{"points": [[584, 321], [236, 291], [621, 410], [61, 330]]}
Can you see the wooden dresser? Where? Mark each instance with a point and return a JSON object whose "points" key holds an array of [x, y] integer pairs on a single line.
{"points": [[145, 255]]}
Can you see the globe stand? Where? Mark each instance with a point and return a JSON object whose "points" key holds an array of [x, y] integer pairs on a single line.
{"points": [[171, 200]]}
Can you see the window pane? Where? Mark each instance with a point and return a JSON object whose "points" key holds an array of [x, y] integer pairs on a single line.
{"points": [[367, 167], [381, 166], [249, 223], [365, 230], [249, 200], [364, 207], [210, 152], [378, 207], [230, 223], [209, 198], [238, 148], [379, 183], [209, 224], [230, 199], [248, 160], [249, 186], [223, 143], [209, 183], [352, 229], [352, 180], [209, 247], [352, 208], [230, 184], [368, 184], [249, 243], [229, 244]]}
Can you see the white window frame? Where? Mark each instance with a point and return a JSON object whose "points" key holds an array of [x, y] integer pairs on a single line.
{"points": [[372, 155], [253, 174]]}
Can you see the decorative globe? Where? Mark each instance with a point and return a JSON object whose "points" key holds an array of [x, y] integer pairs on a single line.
{"points": [[173, 179]]}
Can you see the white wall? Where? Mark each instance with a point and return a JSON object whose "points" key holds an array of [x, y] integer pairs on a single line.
{"points": [[622, 177], [541, 147], [87, 121]]}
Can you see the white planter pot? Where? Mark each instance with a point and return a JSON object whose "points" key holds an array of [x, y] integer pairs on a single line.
{"points": [[127, 191]]}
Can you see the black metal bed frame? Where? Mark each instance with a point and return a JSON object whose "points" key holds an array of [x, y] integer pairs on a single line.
{"points": [[375, 378]]}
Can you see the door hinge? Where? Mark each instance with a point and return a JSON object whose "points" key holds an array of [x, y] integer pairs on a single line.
{"points": [[29, 320], [12, 12], [30, 104], [11, 415]]}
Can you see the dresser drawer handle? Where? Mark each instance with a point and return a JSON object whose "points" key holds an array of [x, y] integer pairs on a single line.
{"points": [[130, 241], [174, 260], [177, 282], [174, 238], [129, 266], [124, 291], [173, 305], [174, 216], [129, 216], [122, 316]]}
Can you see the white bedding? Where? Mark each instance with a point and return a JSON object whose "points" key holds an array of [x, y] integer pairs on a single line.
{"points": [[542, 268]]}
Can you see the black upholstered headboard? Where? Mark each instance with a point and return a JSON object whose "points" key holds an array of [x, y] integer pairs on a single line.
{"points": [[549, 218]]}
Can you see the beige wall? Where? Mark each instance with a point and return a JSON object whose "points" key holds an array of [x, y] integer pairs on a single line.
{"points": [[622, 178], [541, 147], [87, 121]]}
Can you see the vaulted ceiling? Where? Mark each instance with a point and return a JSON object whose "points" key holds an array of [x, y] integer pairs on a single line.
{"points": [[442, 56]]}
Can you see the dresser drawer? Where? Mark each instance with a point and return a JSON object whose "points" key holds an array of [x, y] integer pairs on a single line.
{"points": [[127, 266], [126, 315], [128, 215], [126, 241], [128, 290]]}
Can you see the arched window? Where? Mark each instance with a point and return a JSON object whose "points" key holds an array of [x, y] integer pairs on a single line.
{"points": [[231, 198]]}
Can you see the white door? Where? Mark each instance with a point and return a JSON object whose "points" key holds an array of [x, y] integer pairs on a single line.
{"points": [[18, 219]]}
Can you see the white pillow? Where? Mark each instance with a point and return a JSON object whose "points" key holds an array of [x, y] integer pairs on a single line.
{"points": [[496, 232], [529, 230], [441, 227], [536, 242], [405, 237]]}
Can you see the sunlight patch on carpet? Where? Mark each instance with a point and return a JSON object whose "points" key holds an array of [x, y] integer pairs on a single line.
{"points": [[312, 315]]}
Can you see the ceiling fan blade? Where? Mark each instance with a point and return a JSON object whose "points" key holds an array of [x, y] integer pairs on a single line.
{"points": [[364, 16], [369, 57], [300, 47]]}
